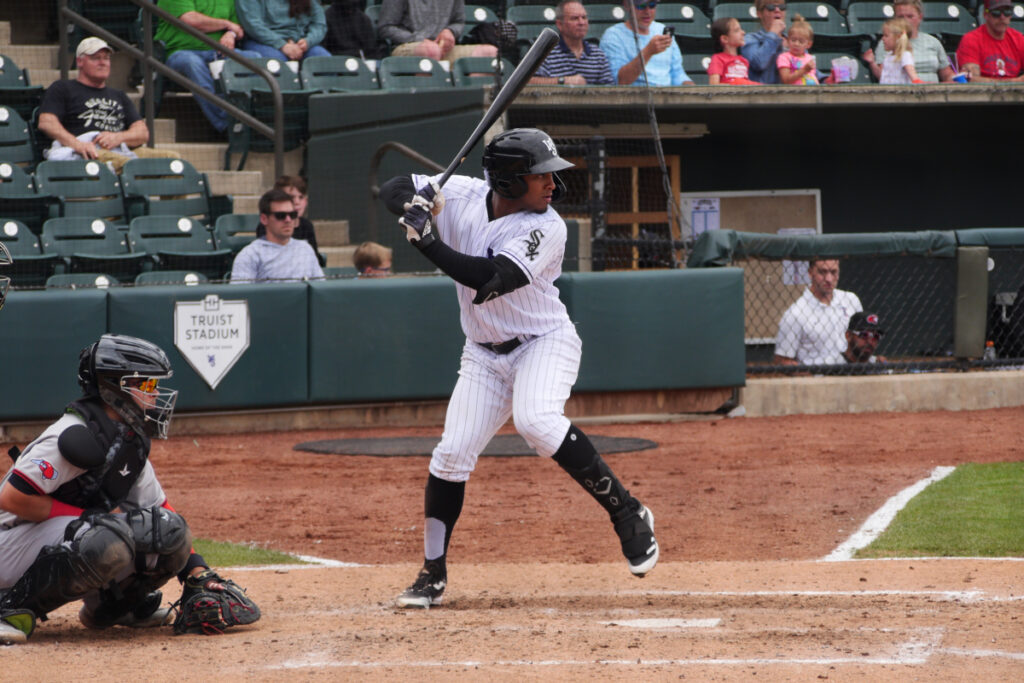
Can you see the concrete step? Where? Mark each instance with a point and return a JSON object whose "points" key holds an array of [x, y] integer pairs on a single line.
{"points": [[163, 131], [33, 57], [235, 182], [5, 36], [248, 203], [205, 156], [265, 163], [337, 257], [45, 77], [331, 233]]}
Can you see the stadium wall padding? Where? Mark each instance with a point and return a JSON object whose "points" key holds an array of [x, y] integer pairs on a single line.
{"points": [[367, 340]]}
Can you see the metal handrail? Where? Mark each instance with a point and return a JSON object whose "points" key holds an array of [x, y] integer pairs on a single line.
{"points": [[150, 63], [378, 156]]}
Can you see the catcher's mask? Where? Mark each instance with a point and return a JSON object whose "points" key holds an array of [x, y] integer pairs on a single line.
{"points": [[5, 281], [125, 372], [518, 152]]}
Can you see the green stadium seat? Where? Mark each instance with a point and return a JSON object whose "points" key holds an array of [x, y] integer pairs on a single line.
{"points": [[412, 73], [830, 30], [866, 18], [31, 266], [692, 25], [603, 15], [337, 73], [170, 277], [86, 189], [91, 245], [742, 11], [235, 230], [697, 67], [81, 281], [948, 22], [479, 71], [166, 186], [179, 243], [15, 90], [19, 199], [16, 141]]}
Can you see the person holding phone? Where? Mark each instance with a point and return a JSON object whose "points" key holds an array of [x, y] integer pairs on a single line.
{"points": [[658, 62]]}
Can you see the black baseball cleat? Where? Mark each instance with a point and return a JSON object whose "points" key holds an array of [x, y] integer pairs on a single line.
{"points": [[147, 614], [635, 526], [428, 587]]}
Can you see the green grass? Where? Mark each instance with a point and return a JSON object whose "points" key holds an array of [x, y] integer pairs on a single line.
{"points": [[220, 554], [977, 511]]}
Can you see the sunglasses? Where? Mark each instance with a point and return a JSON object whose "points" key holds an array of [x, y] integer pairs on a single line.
{"points": [[281, 215], [1001, 12], [645, 5], [868, 335], [772, 8], [145, 385]]}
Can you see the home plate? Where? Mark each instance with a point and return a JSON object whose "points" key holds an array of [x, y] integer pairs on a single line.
{"points": [[665, 623]]}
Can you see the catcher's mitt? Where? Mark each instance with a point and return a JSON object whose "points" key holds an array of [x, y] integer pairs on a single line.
{"points": [[209, 604]]}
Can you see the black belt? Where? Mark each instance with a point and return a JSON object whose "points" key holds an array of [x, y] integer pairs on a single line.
{"points": [[504, 347]]}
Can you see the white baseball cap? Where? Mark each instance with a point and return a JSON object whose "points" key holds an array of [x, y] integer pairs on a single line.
{"points": [[91, 46]]}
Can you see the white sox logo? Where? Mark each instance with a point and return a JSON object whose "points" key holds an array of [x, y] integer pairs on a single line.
{"points": [[551, 147], [533, 244]]}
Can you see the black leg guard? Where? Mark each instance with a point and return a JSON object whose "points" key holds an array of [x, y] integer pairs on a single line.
{"points": [[580, 459], [443, 502], [61, 574]]}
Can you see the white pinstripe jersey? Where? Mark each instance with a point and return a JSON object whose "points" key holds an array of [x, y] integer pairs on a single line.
{"points": [[535, 242]]}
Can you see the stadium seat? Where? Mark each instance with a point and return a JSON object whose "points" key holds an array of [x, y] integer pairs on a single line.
{"points": [[16, 142], [170, 277], [116, 16], [84, 188], [31, 266], [340, 271], [179, 243], [479, 71], [743, 11], [478, 14], [15, 90], [697, 67], [866, 18], [412, 73], [20, 200], [692, 25], [166, 186], [948, 22], [830, 30], [91, 245], [530, 21], [81, 280], [235, 230], [602, 16], [250, 92], [338, 73]]}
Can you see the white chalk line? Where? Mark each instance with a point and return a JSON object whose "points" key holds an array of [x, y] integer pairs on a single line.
{"points": [[873, 527]]}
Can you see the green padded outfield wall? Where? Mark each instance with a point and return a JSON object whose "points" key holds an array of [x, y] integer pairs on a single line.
{"points": [[345, 132], [41, 333], [658, 329], [383, 339], [271, 372]]}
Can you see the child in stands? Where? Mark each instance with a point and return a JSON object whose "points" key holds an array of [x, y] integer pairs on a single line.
{"points": [[796, 65], [727, 66], [898, 67]]}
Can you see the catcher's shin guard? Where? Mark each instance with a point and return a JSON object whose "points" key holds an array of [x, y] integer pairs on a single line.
{"points": [[580, 459], [67, 572]]}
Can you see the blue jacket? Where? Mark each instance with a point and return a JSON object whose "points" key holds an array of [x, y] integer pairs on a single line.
{"points": [[761, 50], [267, 22]]}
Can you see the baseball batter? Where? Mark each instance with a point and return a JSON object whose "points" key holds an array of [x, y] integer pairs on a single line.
{"points": [[503, 244]]}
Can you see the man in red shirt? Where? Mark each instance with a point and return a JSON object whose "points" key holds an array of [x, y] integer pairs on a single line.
{"points": [[993, 52]]}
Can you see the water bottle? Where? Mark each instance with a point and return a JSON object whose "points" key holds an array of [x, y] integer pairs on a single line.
{"points": [[990, 350]]}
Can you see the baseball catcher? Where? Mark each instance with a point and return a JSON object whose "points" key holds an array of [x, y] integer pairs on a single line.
{"points": [[83, 516]]}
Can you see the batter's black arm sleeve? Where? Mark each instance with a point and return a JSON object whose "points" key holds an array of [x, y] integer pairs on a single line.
{"points": [[498, 275], [396, 192]]}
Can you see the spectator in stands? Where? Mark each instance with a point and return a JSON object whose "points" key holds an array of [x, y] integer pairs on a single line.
{"points": [[283, 29], [930, 59], [372, 260], [812, 330], [796, 65], [276, 255], [295, 186], [993, 52], [762, 48], [727, 66], [658, 62], [190, 56], [898, 67], [427, 29], [350, 31], [862, 337], [87, 119], [574, 61]]}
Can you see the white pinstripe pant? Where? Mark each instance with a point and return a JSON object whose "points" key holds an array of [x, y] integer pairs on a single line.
{"points": [[531, 385]]}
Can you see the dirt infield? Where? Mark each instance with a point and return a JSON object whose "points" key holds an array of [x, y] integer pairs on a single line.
{"points": [[745, 509]]}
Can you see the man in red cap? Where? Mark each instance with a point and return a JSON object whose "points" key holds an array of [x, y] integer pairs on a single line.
{"points": [[993, 52]]}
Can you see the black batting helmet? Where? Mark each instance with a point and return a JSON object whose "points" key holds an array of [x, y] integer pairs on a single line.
{"points": [[518, 152], [125, 372]]}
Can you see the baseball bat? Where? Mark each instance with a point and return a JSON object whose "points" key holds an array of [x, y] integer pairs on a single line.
{"points": [[513, 86]]}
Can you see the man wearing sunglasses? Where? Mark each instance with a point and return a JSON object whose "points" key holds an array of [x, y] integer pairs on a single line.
{"points": [[993, 52], [863, 335], [762, 48], [276, 255], [658, 58]]}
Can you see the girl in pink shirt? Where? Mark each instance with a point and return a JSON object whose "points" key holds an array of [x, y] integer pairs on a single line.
{"points": [[796, 65]]}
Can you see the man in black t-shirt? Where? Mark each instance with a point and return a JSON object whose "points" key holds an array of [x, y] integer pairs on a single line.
{"points": [[87, 119]]}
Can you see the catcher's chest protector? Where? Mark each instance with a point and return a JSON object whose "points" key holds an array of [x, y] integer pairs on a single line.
{"points": [[106, 486]]}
